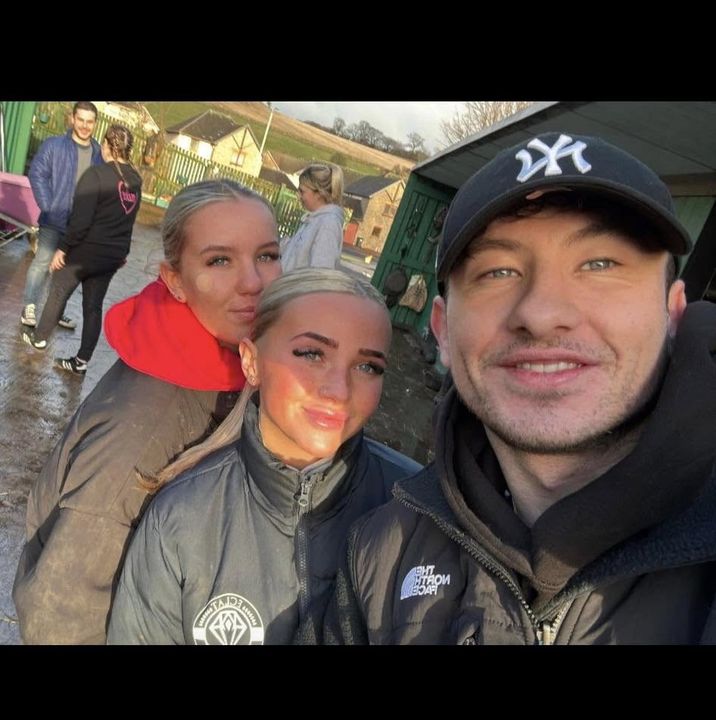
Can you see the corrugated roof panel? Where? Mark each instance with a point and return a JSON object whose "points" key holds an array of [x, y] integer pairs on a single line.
{"points": [[655, 122], [674, 138]]}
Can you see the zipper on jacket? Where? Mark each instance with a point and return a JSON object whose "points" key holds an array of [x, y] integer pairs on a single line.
{"points": [[304, 496], [303, 499], [547, 630], [493, 566], [489, 563]]}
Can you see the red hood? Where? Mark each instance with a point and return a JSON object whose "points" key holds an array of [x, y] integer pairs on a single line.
{"points": [[161, 337]]}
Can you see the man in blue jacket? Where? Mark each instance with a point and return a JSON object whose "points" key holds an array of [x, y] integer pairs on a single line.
{"points": [[53, 175]]}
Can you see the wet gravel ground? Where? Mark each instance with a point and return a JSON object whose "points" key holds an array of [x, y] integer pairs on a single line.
{"points": [[37, 400]]}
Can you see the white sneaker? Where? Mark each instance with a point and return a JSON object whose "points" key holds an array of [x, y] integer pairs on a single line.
{"points": [[28, 336], [28, 315]]}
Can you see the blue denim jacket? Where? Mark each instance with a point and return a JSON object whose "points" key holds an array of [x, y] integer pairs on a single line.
{"points": [[52, 178]]}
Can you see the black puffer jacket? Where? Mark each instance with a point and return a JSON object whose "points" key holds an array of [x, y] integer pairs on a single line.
{"points": [[243, 549], [630, 558]]}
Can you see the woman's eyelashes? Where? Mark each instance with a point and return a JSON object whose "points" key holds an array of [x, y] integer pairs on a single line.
{"points": [[313, 354], [371, 368], [265, 257], [317, 355]]}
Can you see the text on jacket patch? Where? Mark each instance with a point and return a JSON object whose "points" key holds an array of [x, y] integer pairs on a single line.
{"points": [[422, 580]]}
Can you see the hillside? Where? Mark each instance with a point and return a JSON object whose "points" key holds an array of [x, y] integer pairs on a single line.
{"points": [[286, 125]]}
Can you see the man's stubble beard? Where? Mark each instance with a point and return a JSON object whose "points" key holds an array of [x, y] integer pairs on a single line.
{"points": [[627, 425]]}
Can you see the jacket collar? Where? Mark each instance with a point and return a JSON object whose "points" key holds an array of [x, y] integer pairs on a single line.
{"points": [[329, 209], [96, 147], [329, 481]]}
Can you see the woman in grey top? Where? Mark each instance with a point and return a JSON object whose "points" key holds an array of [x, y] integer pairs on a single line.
{"points": [[319, 238]]}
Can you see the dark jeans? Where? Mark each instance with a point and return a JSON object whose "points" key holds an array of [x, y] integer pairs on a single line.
{"points": [[95, 276]]}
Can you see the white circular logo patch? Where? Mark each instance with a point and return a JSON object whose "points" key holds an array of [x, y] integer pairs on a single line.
{"points": [[228, 619]]}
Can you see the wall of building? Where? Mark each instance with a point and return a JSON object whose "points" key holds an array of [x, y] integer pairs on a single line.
{"points": [[378, 217], [242, 141]]}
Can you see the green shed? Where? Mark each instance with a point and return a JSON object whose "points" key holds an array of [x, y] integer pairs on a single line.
{"points": [[676, 139], [15, 128]]}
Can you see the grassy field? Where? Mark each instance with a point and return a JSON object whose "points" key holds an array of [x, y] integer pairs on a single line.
{"points": [[167, 114]]}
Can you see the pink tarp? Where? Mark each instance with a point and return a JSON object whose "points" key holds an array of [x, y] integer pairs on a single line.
{"points": [[19, 212], [16, 199]]}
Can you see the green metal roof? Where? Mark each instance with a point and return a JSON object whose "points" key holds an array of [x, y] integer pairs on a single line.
{"points": [[676, 139]]}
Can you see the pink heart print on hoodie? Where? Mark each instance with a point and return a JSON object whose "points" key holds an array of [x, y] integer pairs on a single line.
{"points": [[126, 197]]}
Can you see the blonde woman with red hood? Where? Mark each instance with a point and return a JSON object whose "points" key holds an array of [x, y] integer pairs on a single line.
{"points": [[177, 377]]}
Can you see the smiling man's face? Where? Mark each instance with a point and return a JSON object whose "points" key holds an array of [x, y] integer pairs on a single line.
{"points": [[556, 330]]}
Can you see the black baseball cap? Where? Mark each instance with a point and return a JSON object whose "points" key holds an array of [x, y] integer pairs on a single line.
{"points": [[557, 161]]}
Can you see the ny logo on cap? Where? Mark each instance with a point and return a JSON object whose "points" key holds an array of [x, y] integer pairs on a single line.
{"points": [[559, 150]]}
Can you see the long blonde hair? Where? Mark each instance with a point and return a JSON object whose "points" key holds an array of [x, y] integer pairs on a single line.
{"points": [[292, 285]]}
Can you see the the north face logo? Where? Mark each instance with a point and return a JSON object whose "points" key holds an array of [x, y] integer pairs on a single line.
{"points": [[422, 580], [561, 149]]}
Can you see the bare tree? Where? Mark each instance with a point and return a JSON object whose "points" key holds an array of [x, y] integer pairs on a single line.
{"points": [[478, 115], [339, 126], [416, 142]]}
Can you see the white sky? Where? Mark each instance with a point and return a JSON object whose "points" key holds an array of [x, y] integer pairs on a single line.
{"points": [[394, 119]]}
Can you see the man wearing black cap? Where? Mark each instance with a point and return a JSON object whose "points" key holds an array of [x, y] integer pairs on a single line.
{"points": [[573, 495]]}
